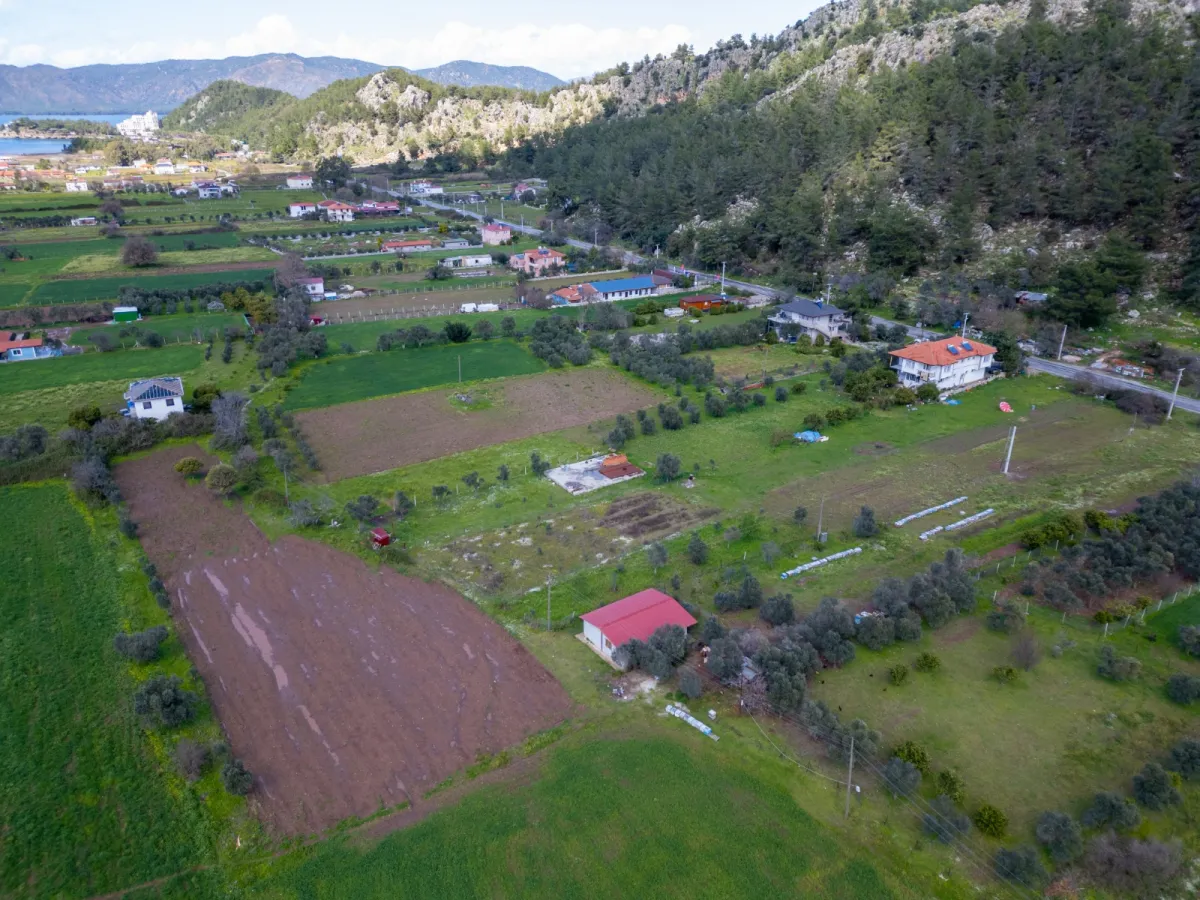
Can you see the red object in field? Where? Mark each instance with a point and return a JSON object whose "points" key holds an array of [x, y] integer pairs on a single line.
{"points": [[316, 320], [380, 538], [1004, 407]]}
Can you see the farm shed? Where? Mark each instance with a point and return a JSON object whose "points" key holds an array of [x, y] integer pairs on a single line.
{"points": [[636, 617]]}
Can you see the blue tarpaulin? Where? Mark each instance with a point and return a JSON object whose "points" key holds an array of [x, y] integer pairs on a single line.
{"points": [[809, 437]]}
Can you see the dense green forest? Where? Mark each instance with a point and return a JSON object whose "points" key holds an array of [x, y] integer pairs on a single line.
{"points": [[1094, 125]]}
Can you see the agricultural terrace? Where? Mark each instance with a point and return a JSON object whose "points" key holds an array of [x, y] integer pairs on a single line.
{"points": [[81, 290]]}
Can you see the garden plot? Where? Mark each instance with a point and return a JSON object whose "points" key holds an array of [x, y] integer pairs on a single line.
{"points": [[376, 435], [343, 688]]}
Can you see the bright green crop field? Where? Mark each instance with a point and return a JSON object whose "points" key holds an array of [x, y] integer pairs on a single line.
{"points": [[87, 367], [84, 805], [346, 379]]}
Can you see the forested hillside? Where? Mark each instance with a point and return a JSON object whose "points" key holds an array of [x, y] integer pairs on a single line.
{"points": [[222, 105], [1093, 125]]}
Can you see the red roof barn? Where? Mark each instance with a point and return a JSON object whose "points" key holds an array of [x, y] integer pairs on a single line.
{"points": [[636, 617]]}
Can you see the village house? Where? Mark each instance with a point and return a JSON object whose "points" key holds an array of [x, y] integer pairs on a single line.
{"points": [[536, 262], [15, 347], [314, 287], [191, 168], [77, 187], [623, 288], [299, 182], [207, 190], [336, 211], [379, 208], [949, 363], [164, 167], [409, 246], [636, 617], [495, 235], [814, 318], [702, 302], [83, 220], [575, 293], [455, 244], [425, 188], [300, 210], [1029, 298], [522, 187], [154, 398], [467, 262]]}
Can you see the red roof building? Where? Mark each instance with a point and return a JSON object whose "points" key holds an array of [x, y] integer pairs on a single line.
{"points": [[702, 302], [408, 246], [634, 618]]}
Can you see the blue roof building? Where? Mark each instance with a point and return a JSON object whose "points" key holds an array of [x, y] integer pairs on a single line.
{"points": [[623, 288]]}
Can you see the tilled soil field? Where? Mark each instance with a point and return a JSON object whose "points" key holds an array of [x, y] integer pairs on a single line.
{"points": [[341, 687], [377, 435]]}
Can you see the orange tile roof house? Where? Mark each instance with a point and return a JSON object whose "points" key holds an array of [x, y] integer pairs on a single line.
{"points": [[634, 618], [536, 262], [494, 235], [336, 211], [948, 363], [408, 246]]}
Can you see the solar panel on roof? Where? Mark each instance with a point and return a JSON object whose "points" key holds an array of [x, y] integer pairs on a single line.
{"points": [[967, 345], [952, 349]]}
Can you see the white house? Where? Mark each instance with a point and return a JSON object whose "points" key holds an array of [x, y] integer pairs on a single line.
{"points": [[155, 398], [455, 243], [300, 210], [299, 182], [84, 220], [314, 287], [16, 347], [336, 211], [77, 187], [164, 167], [139, 127], [949, 363], [809, 317], [425, 188], [495, 235], [635, 617], [206, 190], [467, 262], [623, 288]]}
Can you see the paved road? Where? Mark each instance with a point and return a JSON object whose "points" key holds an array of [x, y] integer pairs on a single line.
{"points": [[1064, 370]]}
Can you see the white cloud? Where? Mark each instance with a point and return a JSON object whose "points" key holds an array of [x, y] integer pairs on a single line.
{"points": [[568, 50]]}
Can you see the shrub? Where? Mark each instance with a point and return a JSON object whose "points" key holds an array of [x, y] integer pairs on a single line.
{"points": [[1189, 639], [1185, 758], [798, 387], [1183, 688], [865, 525], [538, 465], [84, 417], [990, 821], [781, 394], [162, 700], [690, 683], [724, 659], [898, 674], [1153, 789], [814, 422], [950, 784], [457, 332], [1117, 668], [711, 630], [697, 550], [1005, 618], [191, 758], [778, 610], [1021, 866], [125, 524], [943, 821], [911, 751], [928, 662], [221, 479], [362, 508], [1109, 810], [1145, 868], [1061, 836], [875, 632], [1004, 674], [901, 777], [1025, 651], [236, 778], [141, 646]]}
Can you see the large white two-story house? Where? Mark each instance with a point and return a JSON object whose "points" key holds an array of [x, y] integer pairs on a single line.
{"points": [[949, 363], [809, 317]]}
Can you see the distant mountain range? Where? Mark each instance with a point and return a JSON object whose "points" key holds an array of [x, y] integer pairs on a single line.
{"points": [[162, 86]]}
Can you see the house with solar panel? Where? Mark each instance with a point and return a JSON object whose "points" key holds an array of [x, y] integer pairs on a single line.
{"points": [[949, 363], [154, 398]]}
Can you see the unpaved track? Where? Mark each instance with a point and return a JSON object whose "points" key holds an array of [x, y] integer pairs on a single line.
{"points": [[342, 688]]}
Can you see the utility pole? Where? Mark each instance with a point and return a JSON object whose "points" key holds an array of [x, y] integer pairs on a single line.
{"points": [[820, 518], [1062, 341], [1175, 395], [722, 279], [850, 776], [964, 331], [1012, 437], [548, 583]]}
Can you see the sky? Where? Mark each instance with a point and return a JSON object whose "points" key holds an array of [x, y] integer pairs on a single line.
{"points": [[568, 40]]}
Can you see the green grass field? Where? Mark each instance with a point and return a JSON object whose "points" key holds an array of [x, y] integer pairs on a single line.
{"points": [[346, 379], [85, 806], [650, 817], [13, 294], [174, 328], [119, 365], [85, 289]]}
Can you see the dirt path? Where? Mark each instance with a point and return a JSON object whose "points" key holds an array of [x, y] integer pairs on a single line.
{"points": [[341, 687]]}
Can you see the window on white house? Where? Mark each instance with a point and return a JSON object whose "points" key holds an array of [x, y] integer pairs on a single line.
{"points": [[170, 401], [146, 405]]}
